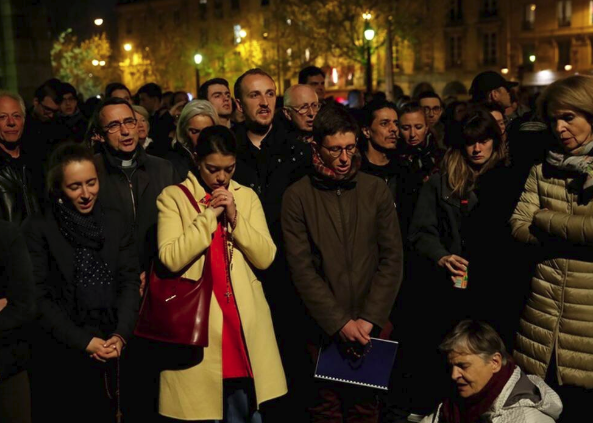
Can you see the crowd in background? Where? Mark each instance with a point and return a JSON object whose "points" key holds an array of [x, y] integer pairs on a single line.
{"points": [[460, 223]]}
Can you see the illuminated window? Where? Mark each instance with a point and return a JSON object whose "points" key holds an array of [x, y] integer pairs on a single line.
{"points": [[564, 13], [591, 13], [529, 16]]}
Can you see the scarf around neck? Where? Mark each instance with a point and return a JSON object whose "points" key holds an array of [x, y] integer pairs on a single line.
{"points": [[469, 410], [579, 161], [94, 284], [328, 174]]}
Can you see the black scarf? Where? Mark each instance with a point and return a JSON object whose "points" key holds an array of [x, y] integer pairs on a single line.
{"points": [[93, 281]]}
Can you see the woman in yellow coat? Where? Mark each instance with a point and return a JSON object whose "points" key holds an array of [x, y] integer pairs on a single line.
{"points": [[241, 367]]}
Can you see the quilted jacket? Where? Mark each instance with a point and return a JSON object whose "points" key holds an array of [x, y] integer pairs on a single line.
{"points": [[558, 317]]}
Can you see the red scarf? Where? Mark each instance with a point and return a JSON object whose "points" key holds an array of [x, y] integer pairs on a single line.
{"points": [[325, 172], [469, 410]]}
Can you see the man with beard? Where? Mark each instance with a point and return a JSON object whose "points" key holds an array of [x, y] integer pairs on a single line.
{"points": [[18, 199], [217, 92], [381, 132], [268, 161], [301, 105]]}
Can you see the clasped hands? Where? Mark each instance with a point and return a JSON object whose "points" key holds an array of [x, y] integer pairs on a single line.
{"points": [[102, 350], [358, 330], [223, 199]]}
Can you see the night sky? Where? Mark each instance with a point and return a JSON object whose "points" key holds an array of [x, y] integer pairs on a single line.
{"points": [[79, 15]]}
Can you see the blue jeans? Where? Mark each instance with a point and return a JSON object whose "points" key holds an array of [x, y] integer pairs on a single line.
{"points": [[238, 402]]}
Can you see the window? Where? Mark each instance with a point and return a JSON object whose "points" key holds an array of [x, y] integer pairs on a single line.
{"points": [[237, 34], [591, 13], [397, 54], [455, 13], [203, 10], [490, 48], [564, 13], [563, 54], [529, 16], [218, 12], [528, 54], [454, 51], [235, 4], [489, 8], [265, 2]]}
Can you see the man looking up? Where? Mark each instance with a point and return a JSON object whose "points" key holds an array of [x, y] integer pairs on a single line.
{"points": [[217, 92], [313, 76], [18, 199], [344, 250], [301, 105], [381, 133]]}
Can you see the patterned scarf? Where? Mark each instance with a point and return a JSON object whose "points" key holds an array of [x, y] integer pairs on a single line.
{"points": [[326, 173], [579, 161], [469, 410], [93, 280]]}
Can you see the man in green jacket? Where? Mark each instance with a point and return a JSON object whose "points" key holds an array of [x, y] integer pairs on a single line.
{"points": [[344, 250]]}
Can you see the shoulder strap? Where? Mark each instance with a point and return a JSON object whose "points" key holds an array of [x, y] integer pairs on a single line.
{"points": [[190, 197]]}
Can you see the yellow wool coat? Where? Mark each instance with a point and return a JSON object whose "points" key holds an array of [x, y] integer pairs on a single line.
{"points": [[183, 234]]}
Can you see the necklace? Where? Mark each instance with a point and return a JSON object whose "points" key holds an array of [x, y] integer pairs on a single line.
{"points": [[228, 257]]}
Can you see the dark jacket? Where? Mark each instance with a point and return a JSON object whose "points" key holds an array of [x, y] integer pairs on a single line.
{"points": [[18, 197], [53, 267], [136, 197], [269, 171], [181, 159], [343, 248], [16, 285], [389, 173]]}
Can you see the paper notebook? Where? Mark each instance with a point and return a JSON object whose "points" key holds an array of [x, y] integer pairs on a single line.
{"points": [[372, 370]]}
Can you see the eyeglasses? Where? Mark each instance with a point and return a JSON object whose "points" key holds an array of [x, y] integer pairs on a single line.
{"points": [[48, 110], [113, 127], [304, 109], [336, 152], [434, 110]]}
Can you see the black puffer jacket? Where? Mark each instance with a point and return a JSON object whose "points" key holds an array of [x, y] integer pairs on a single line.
{"points": [[18, 199]]}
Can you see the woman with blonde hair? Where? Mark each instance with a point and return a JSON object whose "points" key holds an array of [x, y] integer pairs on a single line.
{"points": [[555, 212], [222, 227], [195, 116]]}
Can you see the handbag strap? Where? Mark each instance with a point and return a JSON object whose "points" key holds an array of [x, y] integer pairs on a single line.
{"points": [[189, 196]]}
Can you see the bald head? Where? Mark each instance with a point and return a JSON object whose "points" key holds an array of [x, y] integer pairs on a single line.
{"points": [[301, 106], [298, 94]]}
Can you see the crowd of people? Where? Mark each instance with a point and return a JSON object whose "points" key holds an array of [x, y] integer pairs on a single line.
{"points": [[462, 229]]}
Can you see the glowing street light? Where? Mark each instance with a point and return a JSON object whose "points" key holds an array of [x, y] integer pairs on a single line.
{"points": [[128, 47], [243, 33], [367, 16], [369, 34], [95, 62], [98, 21], [198, 58], [102, 63], [568, 68], [532, 58], [504, 71]]}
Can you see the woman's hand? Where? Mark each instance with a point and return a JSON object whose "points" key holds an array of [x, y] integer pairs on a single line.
{"points": [[456, 265], [96, 348], [114, 346], [3, 303], [221, 197]]}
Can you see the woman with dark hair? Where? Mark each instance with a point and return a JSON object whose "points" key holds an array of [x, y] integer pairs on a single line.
{"points": [[555, 213], [86, 275], [241, 367], [438, 234]]}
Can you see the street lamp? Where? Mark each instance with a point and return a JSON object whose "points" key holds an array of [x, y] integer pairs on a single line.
{"points": [[98, 22], [128, 47], [102, 63], [532, 58], [369, 35], [243, 33], [95, 62], [504, 71], [198, 58]]}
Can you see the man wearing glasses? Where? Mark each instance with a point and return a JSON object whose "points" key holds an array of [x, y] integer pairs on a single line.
{"points": [[344, 252], [300, 108], [433, 109], [131, 181]]}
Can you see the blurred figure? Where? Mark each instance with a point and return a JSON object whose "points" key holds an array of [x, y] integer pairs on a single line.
{"points": [[143, 127], [355, 99], [301, 105], [497, 113], [18, 198], [217, 92], [433, 109], [489, 387], [70, 115], [491, 87], [179, 97], [195, 117], [151, 97], [555, 213], [167, 99], [116, 89], [241, 367], [315, 77], [17, 310], [381, 135], [86, 277]]}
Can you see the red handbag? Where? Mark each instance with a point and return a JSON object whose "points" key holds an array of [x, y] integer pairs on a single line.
{"points": [[175, 309]]}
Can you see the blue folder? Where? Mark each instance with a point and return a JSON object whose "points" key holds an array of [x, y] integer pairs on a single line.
{"points": [[372, 370]]}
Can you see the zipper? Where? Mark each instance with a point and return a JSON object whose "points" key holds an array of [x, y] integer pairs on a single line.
{"points": [[25, 195], [348, 261]]}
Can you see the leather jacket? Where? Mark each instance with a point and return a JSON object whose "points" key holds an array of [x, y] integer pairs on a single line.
{"points": [[18, 199]]}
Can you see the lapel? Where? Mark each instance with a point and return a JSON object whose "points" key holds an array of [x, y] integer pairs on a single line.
{"points": [[448, 197], [60, 248]]}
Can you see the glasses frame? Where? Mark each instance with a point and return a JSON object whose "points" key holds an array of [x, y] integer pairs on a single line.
{"points": [[116, 126], [350, 150], [304, 109], [434, 110]]}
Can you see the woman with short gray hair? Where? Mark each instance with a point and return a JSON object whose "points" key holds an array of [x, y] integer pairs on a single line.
{"points": [[490, 388], [195, 116]]}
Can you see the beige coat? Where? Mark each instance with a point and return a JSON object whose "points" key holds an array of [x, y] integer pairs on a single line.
{"points": [[183, 234], [558, 317]]}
